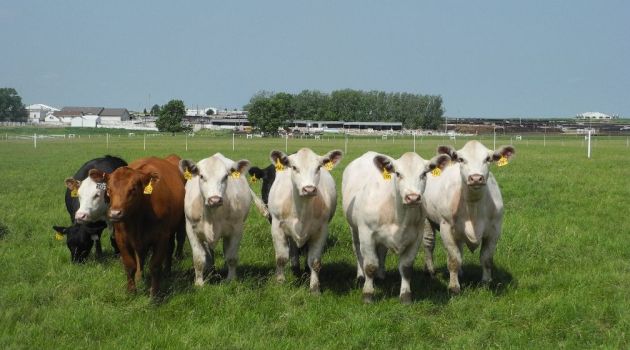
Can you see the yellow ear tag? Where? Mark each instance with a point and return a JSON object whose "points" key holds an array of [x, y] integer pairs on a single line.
{"points": [[502, 161], [74, 193], [235, 174], [329, 165], [279, 166], [386, 175], [436, 172], [58, 236], [187, 174], [148, 189], [253, 179]]}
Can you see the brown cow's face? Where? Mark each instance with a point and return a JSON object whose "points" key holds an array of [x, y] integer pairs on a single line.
{"points": [[125, 188], [475, 159], [306, 167]]}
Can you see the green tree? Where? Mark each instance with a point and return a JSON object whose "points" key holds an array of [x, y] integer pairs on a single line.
{"points": [[270, 112], [210, 111], [11, 106], [155, 110], [171, 117]]}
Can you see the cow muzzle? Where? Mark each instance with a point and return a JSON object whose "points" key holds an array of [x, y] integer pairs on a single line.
{"points": [[115, 215], [81, 217], [214, 201], [309, 190], [476, 180], [412, 199]]}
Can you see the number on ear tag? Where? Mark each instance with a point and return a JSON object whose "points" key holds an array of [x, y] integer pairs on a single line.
{"points": [[386, 175], [235, 174], [436, 172], [329, 165], [502, 161], [279, 166], [148, 189], [187, 174], [101, 186]]}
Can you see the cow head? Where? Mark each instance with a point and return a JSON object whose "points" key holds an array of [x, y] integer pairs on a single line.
{"points": [[409, 173], [474, 159], [92, 196], [80, 238], [126, 190], [305, 167], [267, 175], [213, 174]]}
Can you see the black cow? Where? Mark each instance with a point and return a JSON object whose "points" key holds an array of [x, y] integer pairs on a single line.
{"points": [[267, 175], [81, 236]]}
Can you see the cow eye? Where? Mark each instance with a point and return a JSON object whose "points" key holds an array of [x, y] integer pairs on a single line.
{"points": [[201, 177], [461, 160], [488, 159], [95, 196], [295, 169], [398, 175]]}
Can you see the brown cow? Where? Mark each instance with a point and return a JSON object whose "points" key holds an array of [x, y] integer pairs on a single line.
{"points": [[147, 208]]}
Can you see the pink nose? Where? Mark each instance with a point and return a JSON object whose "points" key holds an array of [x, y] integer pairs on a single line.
{"points": [[412, 198], [309, 190], [115, 214], [80, 216], [215, 201], [476, 179]]}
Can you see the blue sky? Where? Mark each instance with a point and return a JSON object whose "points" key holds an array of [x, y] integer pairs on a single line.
{"points": [[486, 58]]}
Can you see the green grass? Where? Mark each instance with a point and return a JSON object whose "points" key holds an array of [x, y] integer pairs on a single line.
{"points": [[562, 277]]}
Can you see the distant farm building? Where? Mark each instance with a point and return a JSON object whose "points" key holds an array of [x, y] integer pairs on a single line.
{"points": [[107, 116], [114, 115], [86, 121], [595, 116], [37, 112]]}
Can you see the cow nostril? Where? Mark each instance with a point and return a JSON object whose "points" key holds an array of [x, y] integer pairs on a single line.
{"points": [[309, 189], [115, 213], [476, 178], [412, 198], [214, 200]]}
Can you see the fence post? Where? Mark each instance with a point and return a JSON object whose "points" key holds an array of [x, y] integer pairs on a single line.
{"points": [[187, 143], [414, 141], [346, 146], [232, 141], [588, 153], [34, 140], [144, 143], [107, 140]]}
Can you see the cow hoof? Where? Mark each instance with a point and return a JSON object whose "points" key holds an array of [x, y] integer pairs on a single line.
{"points": [[405, 298], [360, 281], [280, 278], [368, 298], [315, 291], [297, 272], [454, 290], [429, 272]]}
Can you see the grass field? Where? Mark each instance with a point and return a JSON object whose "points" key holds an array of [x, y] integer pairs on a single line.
{"points": [[561, 279]]}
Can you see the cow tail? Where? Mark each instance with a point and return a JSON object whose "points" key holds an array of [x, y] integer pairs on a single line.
{"points": [[260, 205], [138, 268]]}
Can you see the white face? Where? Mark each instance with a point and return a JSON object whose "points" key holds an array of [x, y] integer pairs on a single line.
{"points": [[92, 201], [213, 175], [475, 159], [305, 167]]}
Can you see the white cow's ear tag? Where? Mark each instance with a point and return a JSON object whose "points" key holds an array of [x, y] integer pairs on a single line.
{"points": [[235, 174], [329, 165], [502, 161], [101, 186], [187, 174], [386, 175], [436, 172], [148, 189], [279, 166], [74, 193]]}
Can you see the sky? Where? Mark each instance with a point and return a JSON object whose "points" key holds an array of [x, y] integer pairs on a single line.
{"points": [[491, 58]]}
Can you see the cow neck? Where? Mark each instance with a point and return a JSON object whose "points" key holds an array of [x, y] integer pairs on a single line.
{"points": [[473, 196], [300, 202], [406, 212]]}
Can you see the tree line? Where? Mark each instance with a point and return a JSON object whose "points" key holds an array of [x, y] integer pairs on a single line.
{"points": [[268, 110], [11, 106]]}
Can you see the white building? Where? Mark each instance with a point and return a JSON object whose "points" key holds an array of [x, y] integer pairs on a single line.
{"points": [[201, 112], [38, 112], [114, 115], [596, 116], [86, 121]]}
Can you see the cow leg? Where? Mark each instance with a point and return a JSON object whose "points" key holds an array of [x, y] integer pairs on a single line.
{"points": [[180, 235], [130, 264], [315, 248], [160, 255], [405, 267], [230, 252], [454, 257], [356, 246], [370, 263], [381, 251], [198, 255], [294, 256], [428, 242], [98, 249], [281, 247], [488, 246]]}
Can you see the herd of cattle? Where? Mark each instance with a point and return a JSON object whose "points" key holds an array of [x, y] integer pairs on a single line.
{"points": [[153, 203]]}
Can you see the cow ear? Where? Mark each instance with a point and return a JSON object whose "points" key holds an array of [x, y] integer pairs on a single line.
{"points": [[60, 229], [279, 157], [332, 158], [97, 175], [188, 165], [152, 178], [256, 171], [384, 163], [440, 161], [448, 150], [241, 166], [503, 152], [72, 184]]}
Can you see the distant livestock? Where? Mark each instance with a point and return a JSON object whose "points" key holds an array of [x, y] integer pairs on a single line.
{"points": [[217, 202], [147, 209], [87, 206], [465, 201], [382, 203], [302, 201]]}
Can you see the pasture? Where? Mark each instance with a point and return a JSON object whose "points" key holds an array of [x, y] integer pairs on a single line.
{"points": [[561, 278]]}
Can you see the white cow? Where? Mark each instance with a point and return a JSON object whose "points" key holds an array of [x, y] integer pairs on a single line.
{"points": [[91, 194], [302, 201], [382, 203], [216, 205], [465, 201]]}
